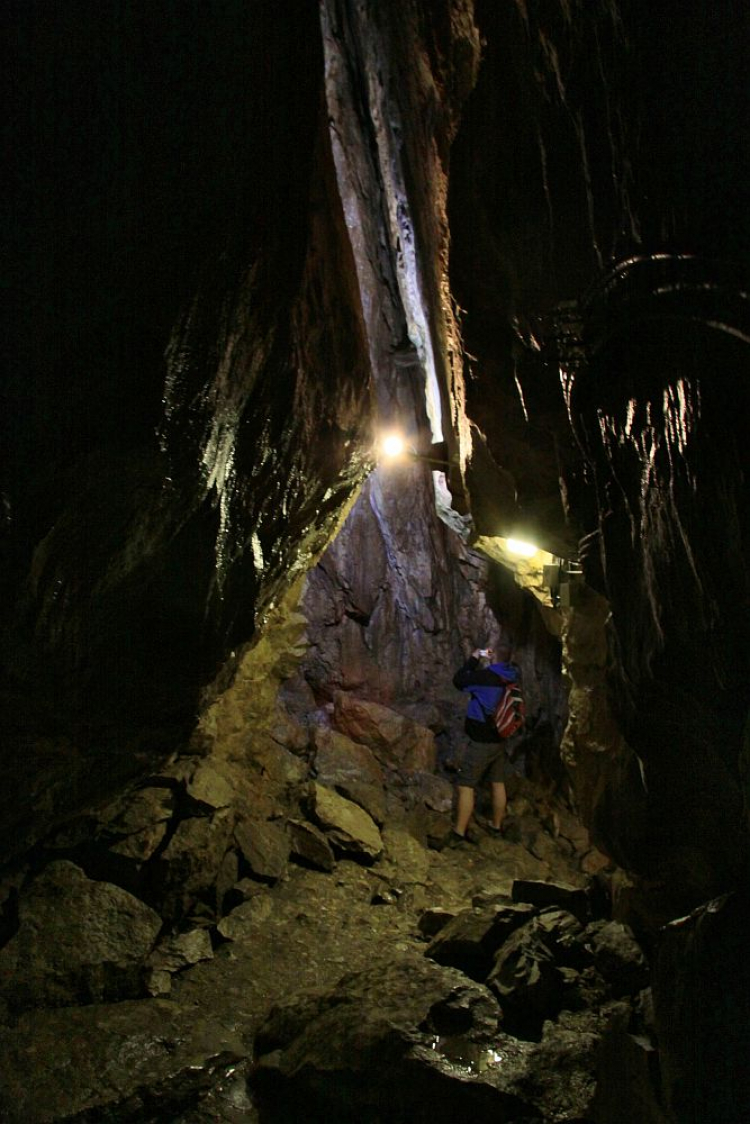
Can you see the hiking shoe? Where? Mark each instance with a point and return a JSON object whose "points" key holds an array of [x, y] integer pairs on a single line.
{"points": [[455, 840]]}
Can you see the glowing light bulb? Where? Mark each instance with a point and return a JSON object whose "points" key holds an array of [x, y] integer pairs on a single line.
{"points": [[393, 445], [525, 549]]}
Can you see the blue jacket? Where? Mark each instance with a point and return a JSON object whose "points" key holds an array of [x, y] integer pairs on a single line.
{"points": [[484, 686]]}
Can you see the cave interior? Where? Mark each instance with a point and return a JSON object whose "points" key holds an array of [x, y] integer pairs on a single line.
{"points": [[245, 242]]}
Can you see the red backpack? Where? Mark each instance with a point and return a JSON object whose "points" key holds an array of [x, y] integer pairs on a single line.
{"points": [[510, 713]]}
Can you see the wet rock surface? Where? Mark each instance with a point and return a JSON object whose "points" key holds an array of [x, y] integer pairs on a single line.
{"points": [[338, 949]]}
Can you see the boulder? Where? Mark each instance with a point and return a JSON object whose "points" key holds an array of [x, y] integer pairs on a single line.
{"points": [[78, 941], [432, 921], [264, 845], [571, 898], [181, 950], [105, 1063], [404, 1040], [617, 956], [211, 784], [397, 742], [339, 760], [472, 938], [140, 820], [190, 863], [349, 828], [244, 920], [310, 847], [527, 982], [434, 792], [404, 857]]}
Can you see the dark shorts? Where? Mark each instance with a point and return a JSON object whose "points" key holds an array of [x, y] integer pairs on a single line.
{"points": [[482, 761]]}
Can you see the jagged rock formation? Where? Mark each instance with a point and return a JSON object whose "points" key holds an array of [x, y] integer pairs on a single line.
{"points": [[519, 231]]}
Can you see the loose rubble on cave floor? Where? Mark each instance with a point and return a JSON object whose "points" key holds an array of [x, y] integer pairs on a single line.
{"points": [[264, 939]]}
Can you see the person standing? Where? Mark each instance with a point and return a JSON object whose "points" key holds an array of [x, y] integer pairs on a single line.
{"points": [[483, 677]]}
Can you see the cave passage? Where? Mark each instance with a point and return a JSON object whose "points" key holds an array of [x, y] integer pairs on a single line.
{"points": [[245, 241]]}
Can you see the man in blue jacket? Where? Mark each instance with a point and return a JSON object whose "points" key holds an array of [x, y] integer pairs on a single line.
{"points": [[485, 753]]}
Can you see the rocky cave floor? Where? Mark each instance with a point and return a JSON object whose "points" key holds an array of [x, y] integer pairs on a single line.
{"points": [[246, 941]]}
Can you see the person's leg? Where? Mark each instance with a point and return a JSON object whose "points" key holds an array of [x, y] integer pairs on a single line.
{"points": [[499, 804], [464, 808]]}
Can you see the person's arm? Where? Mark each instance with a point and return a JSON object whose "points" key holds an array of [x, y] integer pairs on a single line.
{"points": [[464, 677], [472, 675]]}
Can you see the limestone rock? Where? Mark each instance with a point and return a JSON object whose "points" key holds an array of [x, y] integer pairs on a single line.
{"points": [[627, 1086], [264, 845], [396, 741], [348, 827], [226, 878], [290, 734], [310, 846], [78, 941], [432, 921], [104, 1062], [141, 845]]}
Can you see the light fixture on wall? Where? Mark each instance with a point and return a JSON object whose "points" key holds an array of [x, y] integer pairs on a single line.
{"points": [[392, 447]]}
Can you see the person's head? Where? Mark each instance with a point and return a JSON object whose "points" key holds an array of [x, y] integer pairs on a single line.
{"points": [[502, 653]]}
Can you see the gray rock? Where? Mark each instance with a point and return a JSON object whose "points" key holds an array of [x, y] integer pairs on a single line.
{"points": [[348, 827], [618, 956], [105, 1062], [472, 938], [435, 792], [572, 898], [528, 982], [264, 845], [78, 941], [310, 846]]}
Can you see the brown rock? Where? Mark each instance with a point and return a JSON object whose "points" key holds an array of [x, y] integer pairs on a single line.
{"points": [[264, 845], [78, 941], [191, 862], [310, 846], [396, 741], [348, 827], [339, 760]]}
